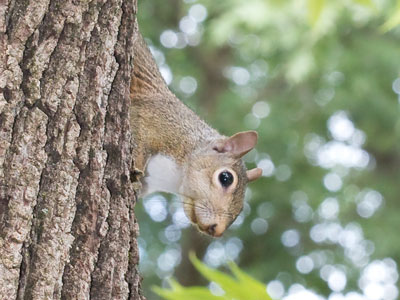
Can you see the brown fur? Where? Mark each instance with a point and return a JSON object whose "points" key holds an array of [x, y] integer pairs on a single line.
{"points": [[162, 124]]}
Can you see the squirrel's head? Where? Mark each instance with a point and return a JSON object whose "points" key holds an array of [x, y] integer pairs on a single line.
{"points": [[215, 181]]}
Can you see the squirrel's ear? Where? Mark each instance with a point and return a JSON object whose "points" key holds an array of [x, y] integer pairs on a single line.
{"points": [[253, 174], [238, 144]]}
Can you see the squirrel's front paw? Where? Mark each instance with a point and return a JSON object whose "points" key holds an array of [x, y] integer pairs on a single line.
{"points": [[136, 176]]}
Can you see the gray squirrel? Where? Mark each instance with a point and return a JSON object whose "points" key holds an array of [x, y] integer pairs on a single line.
{"points": [[179, 153]]}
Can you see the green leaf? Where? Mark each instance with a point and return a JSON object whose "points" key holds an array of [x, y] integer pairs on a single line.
{"points": [[227, 283], [178, 292], [243, 287], [258, 290], [192, 293], [315, 8], [393, 21], [174, 284]]}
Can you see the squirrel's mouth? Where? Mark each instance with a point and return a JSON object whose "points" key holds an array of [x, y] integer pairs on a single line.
{"points": [[189, 210], [209, 226], [193, 217]]}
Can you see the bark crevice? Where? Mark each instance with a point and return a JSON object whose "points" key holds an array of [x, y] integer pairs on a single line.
{"points": [[68, 229]]}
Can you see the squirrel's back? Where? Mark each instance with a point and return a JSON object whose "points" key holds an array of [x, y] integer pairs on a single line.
{"points": [[159, 119]]}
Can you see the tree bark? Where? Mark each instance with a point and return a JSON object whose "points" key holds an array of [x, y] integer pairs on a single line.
{"points": [[67, 222]]}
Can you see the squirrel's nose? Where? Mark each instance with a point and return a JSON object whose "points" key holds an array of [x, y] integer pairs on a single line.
{"points": [[215, 230]]}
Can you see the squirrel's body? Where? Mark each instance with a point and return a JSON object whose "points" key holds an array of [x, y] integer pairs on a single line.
{"points": [[160, 133], [180, 153], [165, 117]]}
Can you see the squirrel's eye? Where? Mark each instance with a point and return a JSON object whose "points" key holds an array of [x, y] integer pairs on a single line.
{"points": [[225, 178]]}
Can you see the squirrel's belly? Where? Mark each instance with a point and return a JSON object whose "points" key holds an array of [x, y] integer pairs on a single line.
{"points": [[162, 175]]}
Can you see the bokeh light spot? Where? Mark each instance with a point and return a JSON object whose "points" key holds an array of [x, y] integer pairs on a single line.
{"points": [[198, 12], [169, 38], [340, 126], [261, 109], [188, 85], [290, 238], [337, 280], [333, 182], [304, 264], [275, 289], [259, 226], [156, 207]]}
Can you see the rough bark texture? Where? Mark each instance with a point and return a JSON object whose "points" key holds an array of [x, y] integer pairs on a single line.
{"points": [[67, 223]]}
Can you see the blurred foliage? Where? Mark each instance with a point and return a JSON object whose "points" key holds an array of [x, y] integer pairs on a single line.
{"points": [[319, 81], [394, 20], [239, 287]]}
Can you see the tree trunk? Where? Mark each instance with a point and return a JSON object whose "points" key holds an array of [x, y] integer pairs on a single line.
{"points": [[67, 222]]}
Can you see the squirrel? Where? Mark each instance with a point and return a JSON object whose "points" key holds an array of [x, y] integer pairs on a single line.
{"points": [[177, 152]]}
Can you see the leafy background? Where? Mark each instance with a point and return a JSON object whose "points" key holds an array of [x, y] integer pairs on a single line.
{"points": [[320, 82]]}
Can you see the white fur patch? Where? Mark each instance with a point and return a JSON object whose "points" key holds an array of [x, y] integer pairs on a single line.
{"points": [[162, 175]]}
